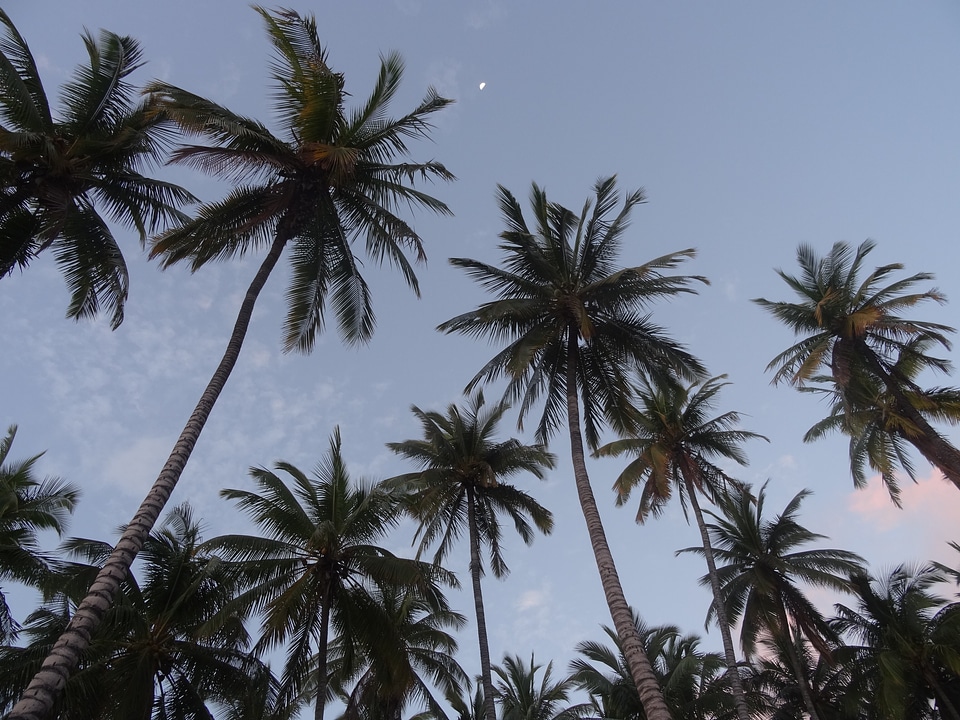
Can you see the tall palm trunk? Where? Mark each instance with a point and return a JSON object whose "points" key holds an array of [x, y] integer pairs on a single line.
{"points": [[931, 444], [639, 664], [798, 669], [485, 673], [42, 693], [322, 680], [733, 671]]}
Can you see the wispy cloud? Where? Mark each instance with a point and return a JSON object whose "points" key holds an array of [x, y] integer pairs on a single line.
{"points": [[484, 14]]}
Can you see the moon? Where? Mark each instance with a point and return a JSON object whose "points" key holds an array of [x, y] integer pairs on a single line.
{"points": [[482, 85]]}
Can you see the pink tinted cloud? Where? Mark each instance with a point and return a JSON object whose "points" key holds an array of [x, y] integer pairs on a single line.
{"points": [[931, 510]]}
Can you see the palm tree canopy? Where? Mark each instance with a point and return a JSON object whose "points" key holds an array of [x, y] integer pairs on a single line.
{"points": [[458, 458], [869, 414], [159, 652], [318, 550], [58, 173], [673, 430], [522, 698], [27, 507], [407, 652], [560, 284], [690, 678], [836, 309], [908, 650], [760, 563], [330, 177]]}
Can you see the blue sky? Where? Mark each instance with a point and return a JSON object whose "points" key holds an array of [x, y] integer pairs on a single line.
{"points": [[753, 126]]}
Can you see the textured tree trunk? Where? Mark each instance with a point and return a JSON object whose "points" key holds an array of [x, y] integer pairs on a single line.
{"points": [[798, 668], [321, 701], [733, 671], [486, 678], [42, 693], [931, 444], [639, 664]]}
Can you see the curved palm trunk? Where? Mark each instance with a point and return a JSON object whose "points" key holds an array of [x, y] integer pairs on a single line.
{"points": [[733, 671], [42, 693], [931, 444], [488, 706], [798, 669], [639, 664]]}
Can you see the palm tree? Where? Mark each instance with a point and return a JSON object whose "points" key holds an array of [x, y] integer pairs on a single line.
{"points": [[761, 565], [317, 565], [576, 331], [331, 179], [58, 174], [27, 507], [460, 483], [674, 442], [407, 652], [854, 327], [869, 415], [158, 652], [827, 681], [522, 698], [691, 678], [909, 644]]}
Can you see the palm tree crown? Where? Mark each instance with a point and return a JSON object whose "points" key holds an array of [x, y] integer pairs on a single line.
{"points": [[854, 328], [56, 172], [908, 644], [870, 415], [27, 507], [560, 289], [318, 563], [674, 440], [761, 564], [330, 177]]}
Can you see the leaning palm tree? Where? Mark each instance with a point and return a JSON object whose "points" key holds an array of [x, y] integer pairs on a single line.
{"points": [[868, 413], [576, 331], [761, 566], [853, 327], [58, 174], [906, 660], [332, 177], [317, 565], [28, 506], [675, 442], [408, 654], [460, 486]]}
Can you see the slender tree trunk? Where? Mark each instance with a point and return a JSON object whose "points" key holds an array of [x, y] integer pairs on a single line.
{"points": [[733, 670], [941, 698], [931, 444], [798, 666], [489, 708], [321, 702], [639, 664], [42, 693]]}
